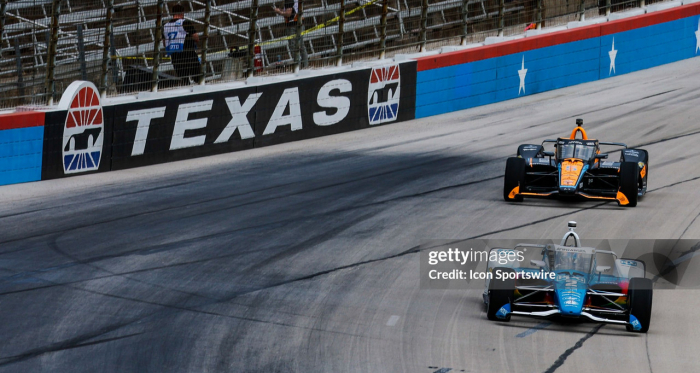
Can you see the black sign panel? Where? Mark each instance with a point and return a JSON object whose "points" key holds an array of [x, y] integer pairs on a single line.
{"points": [[312, 107], [407, 109], [177, 128], [195, 125]]}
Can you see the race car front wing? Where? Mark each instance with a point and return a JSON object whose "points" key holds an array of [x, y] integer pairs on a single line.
{"points": [[586, 312]]}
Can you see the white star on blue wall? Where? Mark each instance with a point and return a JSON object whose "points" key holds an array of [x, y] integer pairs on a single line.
{"points": [[612, 54], [522, 73], [697, 38]]}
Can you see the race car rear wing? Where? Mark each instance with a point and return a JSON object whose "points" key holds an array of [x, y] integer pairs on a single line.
{"points": [[614, 144], [600, 143], [622, 146]]}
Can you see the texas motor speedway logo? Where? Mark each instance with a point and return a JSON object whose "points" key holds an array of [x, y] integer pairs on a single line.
{"points": [[384, 94], [83, 131]]}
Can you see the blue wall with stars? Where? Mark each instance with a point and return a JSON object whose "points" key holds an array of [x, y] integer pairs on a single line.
{"points": [[485, 81]]}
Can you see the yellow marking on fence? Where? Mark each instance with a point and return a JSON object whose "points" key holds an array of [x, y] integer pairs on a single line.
{"points": [[315, 28]]}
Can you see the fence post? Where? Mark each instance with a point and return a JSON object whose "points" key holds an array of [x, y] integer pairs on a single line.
{"points": [[81, 53], [51, 57], [106, 48], [423, 24], [156, 46], [582, 16], [607, 7], [299, 43], [113, 58], [205, 42], [465, 18], [341, 24], [250, 53], [539, 14], [501, 15], [382, 29], [3, 5], [20, 73]]}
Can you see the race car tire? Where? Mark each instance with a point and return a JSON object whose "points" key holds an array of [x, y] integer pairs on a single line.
{"points": [[629, 182], [515, 176], [500, 293], [640, 293]]}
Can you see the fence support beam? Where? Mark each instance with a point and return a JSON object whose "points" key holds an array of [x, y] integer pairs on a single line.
{"points": [[205, 42], [250, 53], [382, 30], [106, 48], [51, 55], [20, 73], [113, 58], [501, 17], [300, 42], [582, 10], [3, 6], [156, 45], [607, 7], [465, 19], [423, 25], [339, 43], [81, 53], [539, 14]]}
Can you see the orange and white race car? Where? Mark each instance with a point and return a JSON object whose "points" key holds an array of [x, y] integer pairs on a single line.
{"points": [[577, 168]]}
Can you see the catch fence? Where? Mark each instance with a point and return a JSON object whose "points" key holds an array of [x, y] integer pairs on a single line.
{"points": [[119, 44]]}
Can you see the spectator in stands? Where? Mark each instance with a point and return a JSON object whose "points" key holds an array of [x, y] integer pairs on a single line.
{"points": [[180, 40], [290, 12]]}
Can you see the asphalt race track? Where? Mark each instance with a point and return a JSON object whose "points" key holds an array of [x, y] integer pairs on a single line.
{"points": [[302, 257]]}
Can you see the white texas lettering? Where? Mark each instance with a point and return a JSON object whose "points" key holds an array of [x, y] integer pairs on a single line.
{"points": [[182, 124], [144, 117], [340, 103], [290, 97], [239, 118]]}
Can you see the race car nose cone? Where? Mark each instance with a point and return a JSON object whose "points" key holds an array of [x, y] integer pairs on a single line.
{"points": [[571, 301]]}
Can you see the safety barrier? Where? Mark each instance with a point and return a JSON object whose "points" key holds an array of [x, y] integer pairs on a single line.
{"points": [[479, 76], [85, 136], [21, 144]]}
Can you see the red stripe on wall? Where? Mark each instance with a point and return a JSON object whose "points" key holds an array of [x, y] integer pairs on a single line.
{"points": [[650, 19], [509, 47], [548, 40], [21, 120]]}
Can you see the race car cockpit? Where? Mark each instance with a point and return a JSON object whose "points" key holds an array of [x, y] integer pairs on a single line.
{"points": [[570, 259], [584, 150]]}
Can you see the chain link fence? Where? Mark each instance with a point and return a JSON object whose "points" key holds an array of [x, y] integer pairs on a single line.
{"points": [[129, 46]]}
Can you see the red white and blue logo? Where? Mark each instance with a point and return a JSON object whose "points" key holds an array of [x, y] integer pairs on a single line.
{"points": [[384, 94], [83, 132]]}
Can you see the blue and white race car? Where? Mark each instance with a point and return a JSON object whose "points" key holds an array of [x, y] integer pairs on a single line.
{"points": [[570, 282]]}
